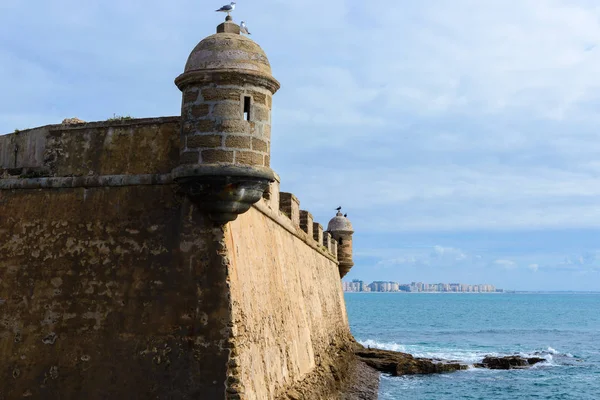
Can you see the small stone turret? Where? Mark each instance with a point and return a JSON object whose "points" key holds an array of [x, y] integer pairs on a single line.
{"points": [[226, 123], [341, 230]]}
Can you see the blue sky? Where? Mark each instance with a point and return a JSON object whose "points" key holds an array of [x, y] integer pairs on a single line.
{"points": [[461, 137]]}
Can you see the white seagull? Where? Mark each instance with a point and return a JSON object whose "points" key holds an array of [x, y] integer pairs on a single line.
{"points": [[227, 8], [244, 28]]}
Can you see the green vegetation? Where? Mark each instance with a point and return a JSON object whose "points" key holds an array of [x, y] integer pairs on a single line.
{"points": [[116, 117]]}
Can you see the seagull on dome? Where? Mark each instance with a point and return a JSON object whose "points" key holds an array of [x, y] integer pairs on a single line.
{"points": [[244, 28], [339, 208], [227, 8]]}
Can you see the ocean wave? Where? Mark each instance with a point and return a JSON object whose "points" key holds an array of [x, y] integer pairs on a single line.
{"points": [[423, 351], [468, 356]]}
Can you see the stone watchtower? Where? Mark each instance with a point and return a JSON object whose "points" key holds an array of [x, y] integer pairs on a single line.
{"points": [[226, 123], [341, 230]]}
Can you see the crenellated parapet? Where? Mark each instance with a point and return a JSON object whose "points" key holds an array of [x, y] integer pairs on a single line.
{"points": [[290, 206], [287, 205], [306, 222]]}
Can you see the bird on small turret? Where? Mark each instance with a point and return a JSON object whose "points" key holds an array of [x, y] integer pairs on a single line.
{"points": [[244, 28], [345, 215], [228, 8], [339, 208]]}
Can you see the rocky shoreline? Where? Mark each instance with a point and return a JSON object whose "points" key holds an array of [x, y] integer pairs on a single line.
{"points": [[362, 381], [398, 364]]}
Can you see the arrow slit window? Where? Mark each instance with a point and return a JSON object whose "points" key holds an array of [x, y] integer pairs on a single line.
{"points": [[247, 104]]}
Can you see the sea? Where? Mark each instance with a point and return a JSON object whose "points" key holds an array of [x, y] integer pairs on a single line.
{"points": [[562, 328]]}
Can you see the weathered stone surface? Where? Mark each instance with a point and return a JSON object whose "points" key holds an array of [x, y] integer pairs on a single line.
{"points": [[239, 142], [286, 331], [111, 293], [230, 51], [189, 157], [289, 205], [216, 156], [227, 110], [306, 222], [190, 95], [508, 362], [318, 232], [234, 126], [258, 97], [259, 113], [259, 145], [204, 126], [248, 158], [327, 241], [266, 131], [200, 110], [220, 94], [204, 141], [138, 146]]}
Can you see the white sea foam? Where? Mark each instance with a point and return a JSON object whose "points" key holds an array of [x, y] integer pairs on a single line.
{"points": [[463, 355], [467, 356], [383, 346]]}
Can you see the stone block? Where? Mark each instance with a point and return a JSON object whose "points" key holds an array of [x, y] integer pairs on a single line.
{"points": [[200, 110], [227, 110], [190, 95], [306, 222], [327, 239], [255, 128], [234, 126], [259, 145], [203, 141], [248, 158], [228, 27], [267, 162], [220, 94], [217, 156], [266, 131], [290, 206], [318, 232], [259, 98], [204, 126], [189, 157], [259, 113], [238, 142]]}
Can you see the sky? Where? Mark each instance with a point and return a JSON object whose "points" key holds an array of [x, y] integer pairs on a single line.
{"points": [[461, 137]]}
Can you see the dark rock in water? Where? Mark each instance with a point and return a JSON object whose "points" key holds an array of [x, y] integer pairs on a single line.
{"points": [[508, 362], [397, 364]]}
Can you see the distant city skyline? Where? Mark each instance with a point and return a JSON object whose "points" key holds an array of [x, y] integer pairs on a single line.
{"points": [[357, 285]]}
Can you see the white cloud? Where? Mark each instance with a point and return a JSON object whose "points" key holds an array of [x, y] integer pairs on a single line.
{"points": [[534, 267], [431, 116], [506, 264]]}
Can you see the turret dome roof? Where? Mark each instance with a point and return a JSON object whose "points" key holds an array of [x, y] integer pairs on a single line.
{"points": [[339, 223], [228, 51]]}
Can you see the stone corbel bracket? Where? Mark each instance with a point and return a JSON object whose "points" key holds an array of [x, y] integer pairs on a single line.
{"points": [[223, 191]]}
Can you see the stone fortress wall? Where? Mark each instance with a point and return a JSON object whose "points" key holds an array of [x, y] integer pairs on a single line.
{"points": [[157, 258], [112, 283]]}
